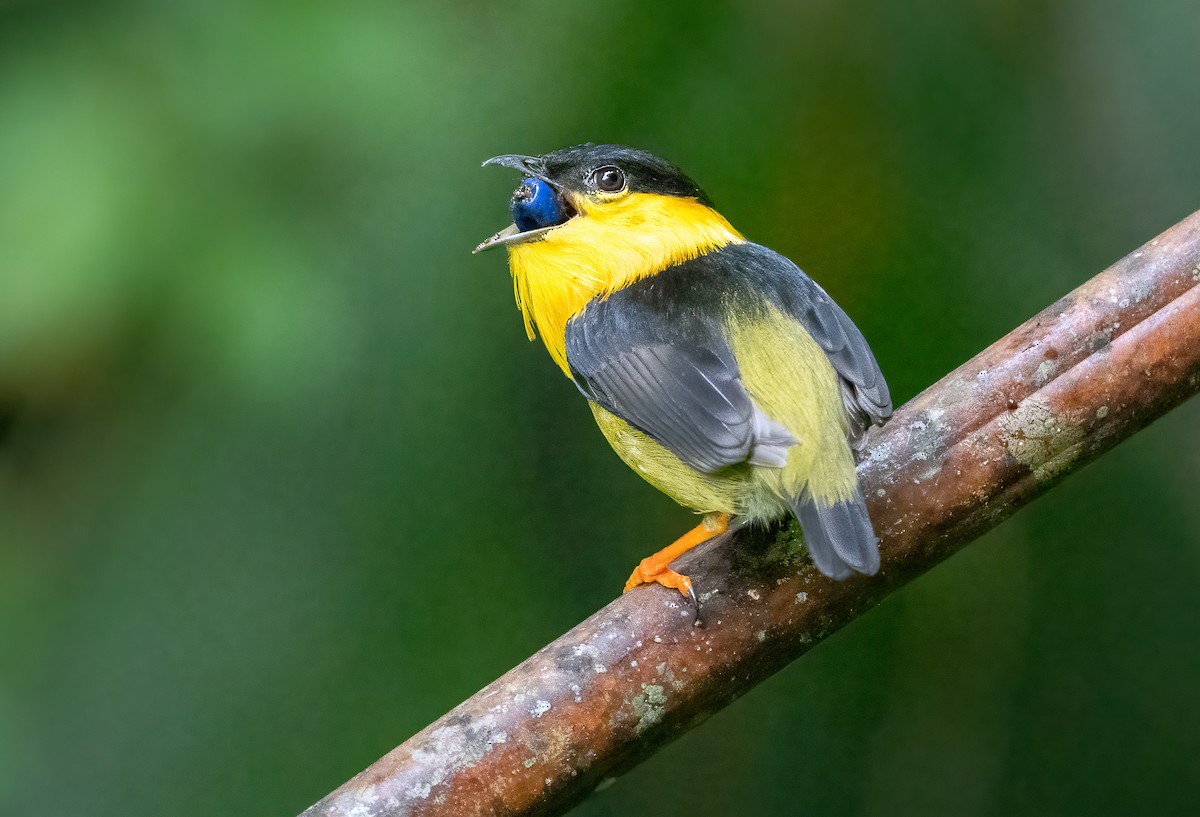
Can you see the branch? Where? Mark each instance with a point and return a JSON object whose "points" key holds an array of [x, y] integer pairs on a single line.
{"points": [[1055, 393]]}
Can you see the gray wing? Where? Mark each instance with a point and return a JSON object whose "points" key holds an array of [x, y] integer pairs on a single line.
{"points": [[675, 379], [864, 391]]}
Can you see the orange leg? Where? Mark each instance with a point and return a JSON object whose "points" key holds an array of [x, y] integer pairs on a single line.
{"points": [[655, 568]]}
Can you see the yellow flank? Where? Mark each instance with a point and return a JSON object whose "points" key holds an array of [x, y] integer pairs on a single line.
{"points": [[706, 493], [789, 377], [613, 242]]}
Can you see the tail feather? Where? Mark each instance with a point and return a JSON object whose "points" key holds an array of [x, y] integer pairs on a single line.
{"points": [[840, 538]]}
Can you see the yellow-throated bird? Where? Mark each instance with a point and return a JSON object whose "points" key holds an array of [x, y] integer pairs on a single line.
{"points": [[715, 367]]}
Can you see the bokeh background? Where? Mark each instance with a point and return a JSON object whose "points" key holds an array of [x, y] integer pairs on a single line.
{"points": [[281, 479]]}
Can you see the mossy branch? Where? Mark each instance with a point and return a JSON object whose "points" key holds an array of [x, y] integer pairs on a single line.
{"points": [[1089, 371]]}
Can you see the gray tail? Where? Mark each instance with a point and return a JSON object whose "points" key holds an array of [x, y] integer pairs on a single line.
{"points": [[840, 538]]}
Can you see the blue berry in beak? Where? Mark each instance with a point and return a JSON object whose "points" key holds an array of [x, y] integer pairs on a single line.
{"points": [[535, 204]]}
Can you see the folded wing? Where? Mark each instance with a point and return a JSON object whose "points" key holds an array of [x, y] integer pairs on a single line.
{"points": [[673, 377]]}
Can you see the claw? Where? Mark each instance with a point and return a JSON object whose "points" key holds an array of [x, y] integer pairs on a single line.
{"points": [[654, 569]]}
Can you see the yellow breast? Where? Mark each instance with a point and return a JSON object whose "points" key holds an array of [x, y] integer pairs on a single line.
{"points": [[612, 243]]}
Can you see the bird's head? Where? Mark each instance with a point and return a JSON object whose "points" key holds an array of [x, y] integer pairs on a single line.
{"points": [[587, 181], [593, 219]]}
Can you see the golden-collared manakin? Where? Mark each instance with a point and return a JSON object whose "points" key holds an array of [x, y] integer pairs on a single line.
{"points": [[715, 367]]}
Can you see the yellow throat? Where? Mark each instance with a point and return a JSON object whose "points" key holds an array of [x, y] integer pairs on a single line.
{"points": [[612, 243]]}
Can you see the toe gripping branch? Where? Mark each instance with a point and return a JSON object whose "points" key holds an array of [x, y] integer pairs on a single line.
{"points": [[655, 569]]}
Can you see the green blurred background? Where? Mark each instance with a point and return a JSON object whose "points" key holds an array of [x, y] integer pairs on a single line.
{"points": [[281, 479]]}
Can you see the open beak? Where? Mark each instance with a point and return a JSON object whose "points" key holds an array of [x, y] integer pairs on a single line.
{"points": [[512, 235], [530, 166]]}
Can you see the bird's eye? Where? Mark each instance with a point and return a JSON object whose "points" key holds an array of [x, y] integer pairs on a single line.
{"points": [[610, 179]]}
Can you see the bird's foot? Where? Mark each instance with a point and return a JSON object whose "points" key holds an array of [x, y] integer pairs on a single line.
{"points": [[656, 569], [649, 573]]}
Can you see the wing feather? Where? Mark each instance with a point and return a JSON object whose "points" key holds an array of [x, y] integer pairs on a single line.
{"points": [[655, 355], [865, 394], [677, 383]]}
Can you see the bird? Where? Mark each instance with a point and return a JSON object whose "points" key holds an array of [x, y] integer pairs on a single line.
{"points": [[715, 368]]}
